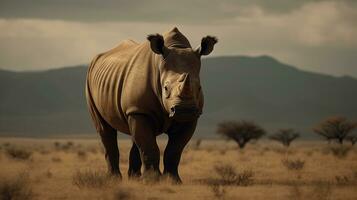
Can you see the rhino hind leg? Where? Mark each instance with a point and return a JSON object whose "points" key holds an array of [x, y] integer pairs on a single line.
{"points": [[108, 136], [110, 143], [134, 162], [143, 134]]}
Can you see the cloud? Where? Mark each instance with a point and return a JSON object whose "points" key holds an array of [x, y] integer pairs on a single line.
{"points": [[316, 36]]}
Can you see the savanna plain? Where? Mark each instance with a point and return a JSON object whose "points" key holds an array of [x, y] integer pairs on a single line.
{"points": [[210, 169]]}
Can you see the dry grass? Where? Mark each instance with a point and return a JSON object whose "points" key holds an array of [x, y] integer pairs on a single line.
{"points": [[16, 188], [291, 164], [76, 169], [91, 179], [219, 191]]}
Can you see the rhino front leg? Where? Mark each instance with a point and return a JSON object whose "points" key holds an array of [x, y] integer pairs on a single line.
{"points": [[110, 143], [134, 162], [179, 135], [143, 134]]}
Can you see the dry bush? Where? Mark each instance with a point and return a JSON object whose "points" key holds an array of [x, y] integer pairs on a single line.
{"points": [[229, 176], [17, 188], [82, 155], [18, 153], [6, 144], [91, 179], [342, 180], [49, 174], [64, 147], [93, 150], [56, 159], [219, 191], [44, 152], [69, 145], [293, 164], [223, 151], [308, 153], [340, 151]]}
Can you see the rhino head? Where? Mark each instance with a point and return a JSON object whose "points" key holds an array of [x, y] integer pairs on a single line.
{"points": [[179, 68]]}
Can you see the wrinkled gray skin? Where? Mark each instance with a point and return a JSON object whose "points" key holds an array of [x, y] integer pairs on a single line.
{"points": [[144, 90]]}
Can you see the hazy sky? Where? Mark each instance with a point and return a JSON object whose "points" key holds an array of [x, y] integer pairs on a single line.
{"points": [[314, 35]]}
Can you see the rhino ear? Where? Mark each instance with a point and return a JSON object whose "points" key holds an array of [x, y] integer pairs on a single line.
{"points": [[207, 44], [157, 44]]}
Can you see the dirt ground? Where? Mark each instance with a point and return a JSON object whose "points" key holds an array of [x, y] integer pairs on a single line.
{"points": [[215, 169]]}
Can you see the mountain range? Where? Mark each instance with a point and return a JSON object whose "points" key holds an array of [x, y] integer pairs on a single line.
{"points": [[262, 89]]}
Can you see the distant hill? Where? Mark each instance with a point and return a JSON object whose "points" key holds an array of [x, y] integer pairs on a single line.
{"points": [[276, 95]]}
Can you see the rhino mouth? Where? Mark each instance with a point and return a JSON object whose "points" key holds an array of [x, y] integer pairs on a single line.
{"points": [[184, 113]]}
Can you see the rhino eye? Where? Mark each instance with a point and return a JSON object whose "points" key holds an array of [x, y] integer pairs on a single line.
{"points": [[166, 91]]}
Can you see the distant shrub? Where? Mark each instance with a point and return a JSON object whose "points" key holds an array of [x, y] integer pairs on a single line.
{"points": [[285, 136], [229, 176], [293, 164], [91, 179], [18, 153], [57, 145], [17, 188]]}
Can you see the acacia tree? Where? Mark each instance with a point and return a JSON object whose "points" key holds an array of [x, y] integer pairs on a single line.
{"points": [[335, 129], [285, 136], [240, 131]]}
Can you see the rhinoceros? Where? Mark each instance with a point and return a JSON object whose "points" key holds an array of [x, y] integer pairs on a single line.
{"points": [[143, 90]]}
